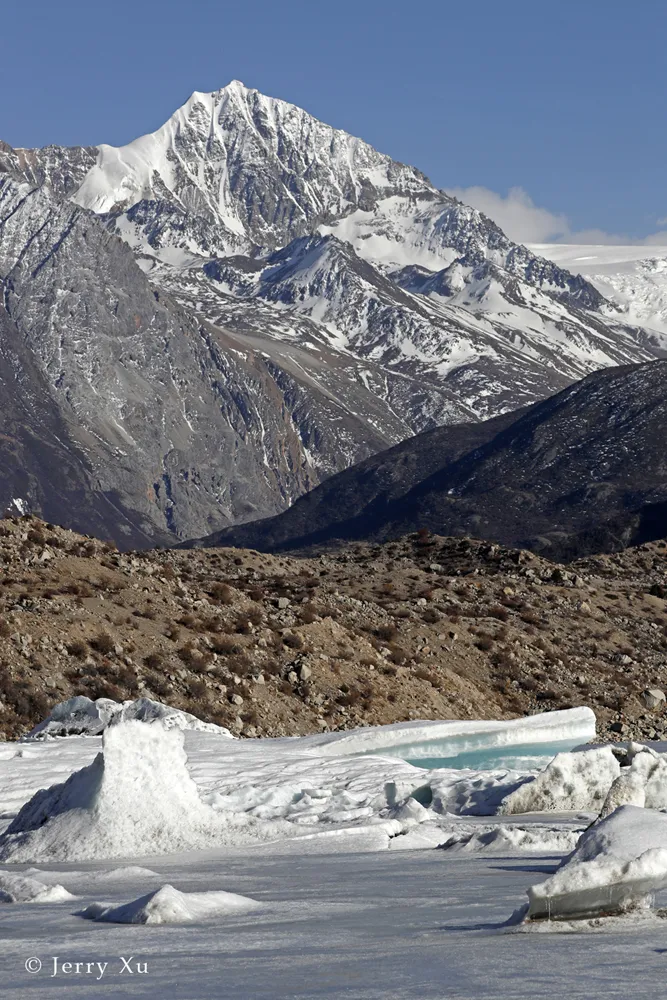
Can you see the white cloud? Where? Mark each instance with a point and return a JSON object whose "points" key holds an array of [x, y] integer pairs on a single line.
{"points": [[525, 222], [517, 214]]}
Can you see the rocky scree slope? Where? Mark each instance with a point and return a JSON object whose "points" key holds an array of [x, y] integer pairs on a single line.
{"points": [[581, 472], [291, 302], [426, 627]]}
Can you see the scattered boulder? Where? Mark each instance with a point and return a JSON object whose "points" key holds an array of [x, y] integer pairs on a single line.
{"points": [[653, 698]]}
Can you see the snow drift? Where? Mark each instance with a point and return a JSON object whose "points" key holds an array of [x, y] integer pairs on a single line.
{"points": [[509, 839], [615, 866], [25, 889], [80, 716], [135, 798], [169, 906], [572, 781]]}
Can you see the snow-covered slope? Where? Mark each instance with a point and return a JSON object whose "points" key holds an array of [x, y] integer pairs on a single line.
{"points": [[633, 277]]}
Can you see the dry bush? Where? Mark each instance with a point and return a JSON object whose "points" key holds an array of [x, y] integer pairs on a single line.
{"points": [[485, 642], [397, 654], [225, 645], [77, 648], [293, 640], [431, 616], [272, 667], [197, 690], [350, 697], [308, 614], [187, 620], [221, 593], [102, 643], [154, 659]]}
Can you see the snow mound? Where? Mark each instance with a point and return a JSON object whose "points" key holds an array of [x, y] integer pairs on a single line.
{"points": [[535, 839], [135, 798], [169, 906], [80, 716], [616, 865], [23, 889], [571, 782], [474, 793]]}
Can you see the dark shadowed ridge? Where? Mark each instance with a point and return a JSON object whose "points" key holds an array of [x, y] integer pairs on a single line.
{"points": [[584, 471]]}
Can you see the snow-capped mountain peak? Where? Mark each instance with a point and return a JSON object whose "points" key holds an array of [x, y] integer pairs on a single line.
{"points": [[305, 301], [259, 167]]}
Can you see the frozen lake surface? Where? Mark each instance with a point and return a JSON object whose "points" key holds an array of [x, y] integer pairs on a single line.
{"points": [[325, 834], [382, 926]]}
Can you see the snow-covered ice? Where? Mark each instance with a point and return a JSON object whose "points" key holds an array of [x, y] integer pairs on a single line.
{"points": [[616, 864], [509, 839], [136, 797], [23, 888], [571, 781]]}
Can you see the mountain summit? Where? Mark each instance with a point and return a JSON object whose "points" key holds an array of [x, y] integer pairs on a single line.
{"points": [[225, 312]]}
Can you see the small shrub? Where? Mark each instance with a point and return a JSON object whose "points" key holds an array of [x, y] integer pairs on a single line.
{"points": [[154, 659], [293, 640], [222, 593], [485, 643], [77, 648], [102, 643]]}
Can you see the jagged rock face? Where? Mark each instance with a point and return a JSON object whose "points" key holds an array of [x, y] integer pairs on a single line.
{"points": [[229, 310], [62, 168], [166, 413], [582, 472]]}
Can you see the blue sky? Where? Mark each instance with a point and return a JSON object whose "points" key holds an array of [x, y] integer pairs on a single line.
{"points": [[561, 104]]}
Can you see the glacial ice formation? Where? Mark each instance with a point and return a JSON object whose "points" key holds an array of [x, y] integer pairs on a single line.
{"points": [[572, 781]]}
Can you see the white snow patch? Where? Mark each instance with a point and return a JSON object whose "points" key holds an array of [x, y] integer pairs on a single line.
{"points": [[169, 906], [25, 889], [510, 839], [136, 798]]}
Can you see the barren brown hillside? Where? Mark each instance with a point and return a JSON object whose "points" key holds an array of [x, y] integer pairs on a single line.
{"points": [[425, 627]]}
